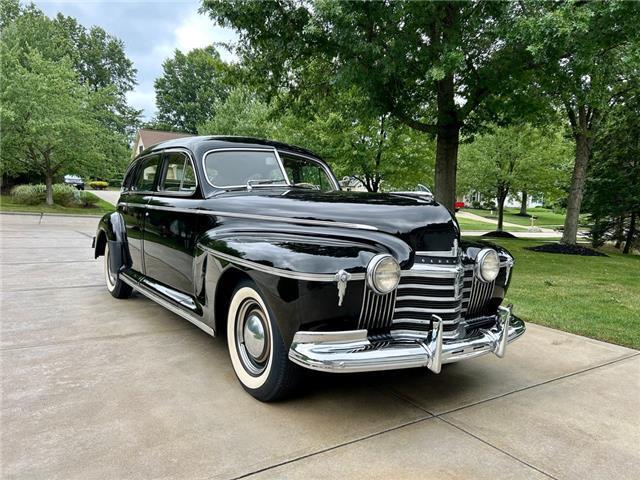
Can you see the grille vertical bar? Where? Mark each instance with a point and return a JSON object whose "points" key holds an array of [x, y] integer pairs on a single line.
{"points": [[377, 310]]}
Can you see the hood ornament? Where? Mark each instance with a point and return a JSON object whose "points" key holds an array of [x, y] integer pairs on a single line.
{"points": [[342, 277]]}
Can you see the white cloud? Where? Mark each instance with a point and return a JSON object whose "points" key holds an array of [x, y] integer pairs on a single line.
{"points": [[197, 31]]}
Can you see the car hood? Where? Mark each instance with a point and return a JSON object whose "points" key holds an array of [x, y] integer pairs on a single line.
{"points": [[421, 222]]}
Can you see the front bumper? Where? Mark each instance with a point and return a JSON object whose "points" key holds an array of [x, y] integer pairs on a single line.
{"points": [[353, 351]]}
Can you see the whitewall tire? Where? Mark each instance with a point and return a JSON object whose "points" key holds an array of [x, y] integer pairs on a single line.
{"points": [[258, 354], [115, 285]]}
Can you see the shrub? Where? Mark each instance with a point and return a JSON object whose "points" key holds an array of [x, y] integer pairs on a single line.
{"points": [[98, 185], [86, 199], [476, 204], [115, 182], [29, 194], [64, 195], [489, 205]]}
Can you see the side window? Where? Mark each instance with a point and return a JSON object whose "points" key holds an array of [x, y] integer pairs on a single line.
{"points": [[129, 176], [147, 170], [306, 172], [178, 174]]}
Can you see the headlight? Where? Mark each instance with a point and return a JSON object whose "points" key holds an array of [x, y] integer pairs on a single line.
{"points": [[383, 273], [487, 265]]}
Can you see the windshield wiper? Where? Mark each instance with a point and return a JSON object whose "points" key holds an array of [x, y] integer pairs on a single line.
{"points": [[310, 186], [266, 181]]}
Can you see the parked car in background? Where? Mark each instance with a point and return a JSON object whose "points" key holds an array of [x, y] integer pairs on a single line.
{"points": [[458, 205], [74, 180], [254, 240]]}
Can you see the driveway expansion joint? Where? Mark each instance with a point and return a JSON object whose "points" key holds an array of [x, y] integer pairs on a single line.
{"points": [[331, 448]]}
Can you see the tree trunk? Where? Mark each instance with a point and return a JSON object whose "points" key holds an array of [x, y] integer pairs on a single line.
{"points": [[49, 184], [583, 151], [447, 141], [502, 196], [619, 235], [630, 234], [523, 205]]}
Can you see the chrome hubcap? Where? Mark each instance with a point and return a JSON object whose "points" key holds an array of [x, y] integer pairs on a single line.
{"points": [[252, 337]]}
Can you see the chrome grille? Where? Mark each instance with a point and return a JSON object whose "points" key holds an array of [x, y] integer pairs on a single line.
{"points": [[426, 290], [377, 310], [450, 291], [475, 294]]}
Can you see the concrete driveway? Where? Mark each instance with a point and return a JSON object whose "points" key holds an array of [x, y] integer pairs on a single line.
{"points": [[98, 388], [110, 196]]}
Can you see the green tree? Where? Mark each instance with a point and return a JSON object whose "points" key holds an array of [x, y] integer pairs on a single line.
{"points": [[511, 160], [190, 86], [48, 120], [612, 195], [589, 61], [441, 68], [98, 58], [242, 113], [377, 150]]}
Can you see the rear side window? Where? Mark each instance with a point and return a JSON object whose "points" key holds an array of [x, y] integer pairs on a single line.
{"points": [[129, 176], [147, 171], [178, 174]]}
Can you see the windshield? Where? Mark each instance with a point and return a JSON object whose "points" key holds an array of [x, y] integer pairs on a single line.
{"points": [[237, 168], [254, 168]]}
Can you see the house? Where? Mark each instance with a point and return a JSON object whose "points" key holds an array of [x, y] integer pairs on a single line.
{"points": [[146, 138]]}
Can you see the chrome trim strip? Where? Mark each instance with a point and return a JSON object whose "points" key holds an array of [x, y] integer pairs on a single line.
{"points": [[310, 277], [352, 351], [428, 310], [428, 299], [166, 304], [424, 287], [251, 216]]}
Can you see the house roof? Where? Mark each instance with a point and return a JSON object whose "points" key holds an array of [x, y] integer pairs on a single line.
{"points": [[151, 137]]}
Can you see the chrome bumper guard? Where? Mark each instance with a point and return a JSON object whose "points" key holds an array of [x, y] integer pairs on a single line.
{"points": [[353, 351]]}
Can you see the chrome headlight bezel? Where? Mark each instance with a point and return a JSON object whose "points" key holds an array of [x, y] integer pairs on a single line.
{"points": [[373, 271], [486, 260]]}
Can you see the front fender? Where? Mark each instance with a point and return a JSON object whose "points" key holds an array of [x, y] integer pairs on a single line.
{"points": [[296, 270], [304, 250]]}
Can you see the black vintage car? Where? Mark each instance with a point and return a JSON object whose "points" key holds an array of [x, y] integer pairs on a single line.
{"points": [[254, 239]]}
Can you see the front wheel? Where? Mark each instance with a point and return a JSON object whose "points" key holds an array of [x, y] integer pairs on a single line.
{"points": [[256, 347], [115, 285]]}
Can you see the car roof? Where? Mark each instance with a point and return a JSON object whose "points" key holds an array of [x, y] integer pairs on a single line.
{"points": [[201, 144]]}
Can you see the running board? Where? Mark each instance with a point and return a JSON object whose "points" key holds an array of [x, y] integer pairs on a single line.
{"points": [[156, 297]]}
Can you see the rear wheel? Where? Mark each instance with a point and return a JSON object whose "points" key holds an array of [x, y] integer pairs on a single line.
{"points": [[115, 285], [257, 350]]}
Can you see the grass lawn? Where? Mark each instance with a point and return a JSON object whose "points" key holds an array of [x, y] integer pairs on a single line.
{"points": [[467, 224], [7, 204], [545, 217], [598, 297]]}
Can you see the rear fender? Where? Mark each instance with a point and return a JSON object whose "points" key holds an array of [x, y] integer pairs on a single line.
{"points": [[111, 230]]}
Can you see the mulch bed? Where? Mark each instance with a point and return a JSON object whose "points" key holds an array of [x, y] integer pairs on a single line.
{"points": [[566, 250], [498, 234]]}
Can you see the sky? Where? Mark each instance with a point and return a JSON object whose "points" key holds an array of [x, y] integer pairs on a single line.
{"points": [[150, 29]]}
